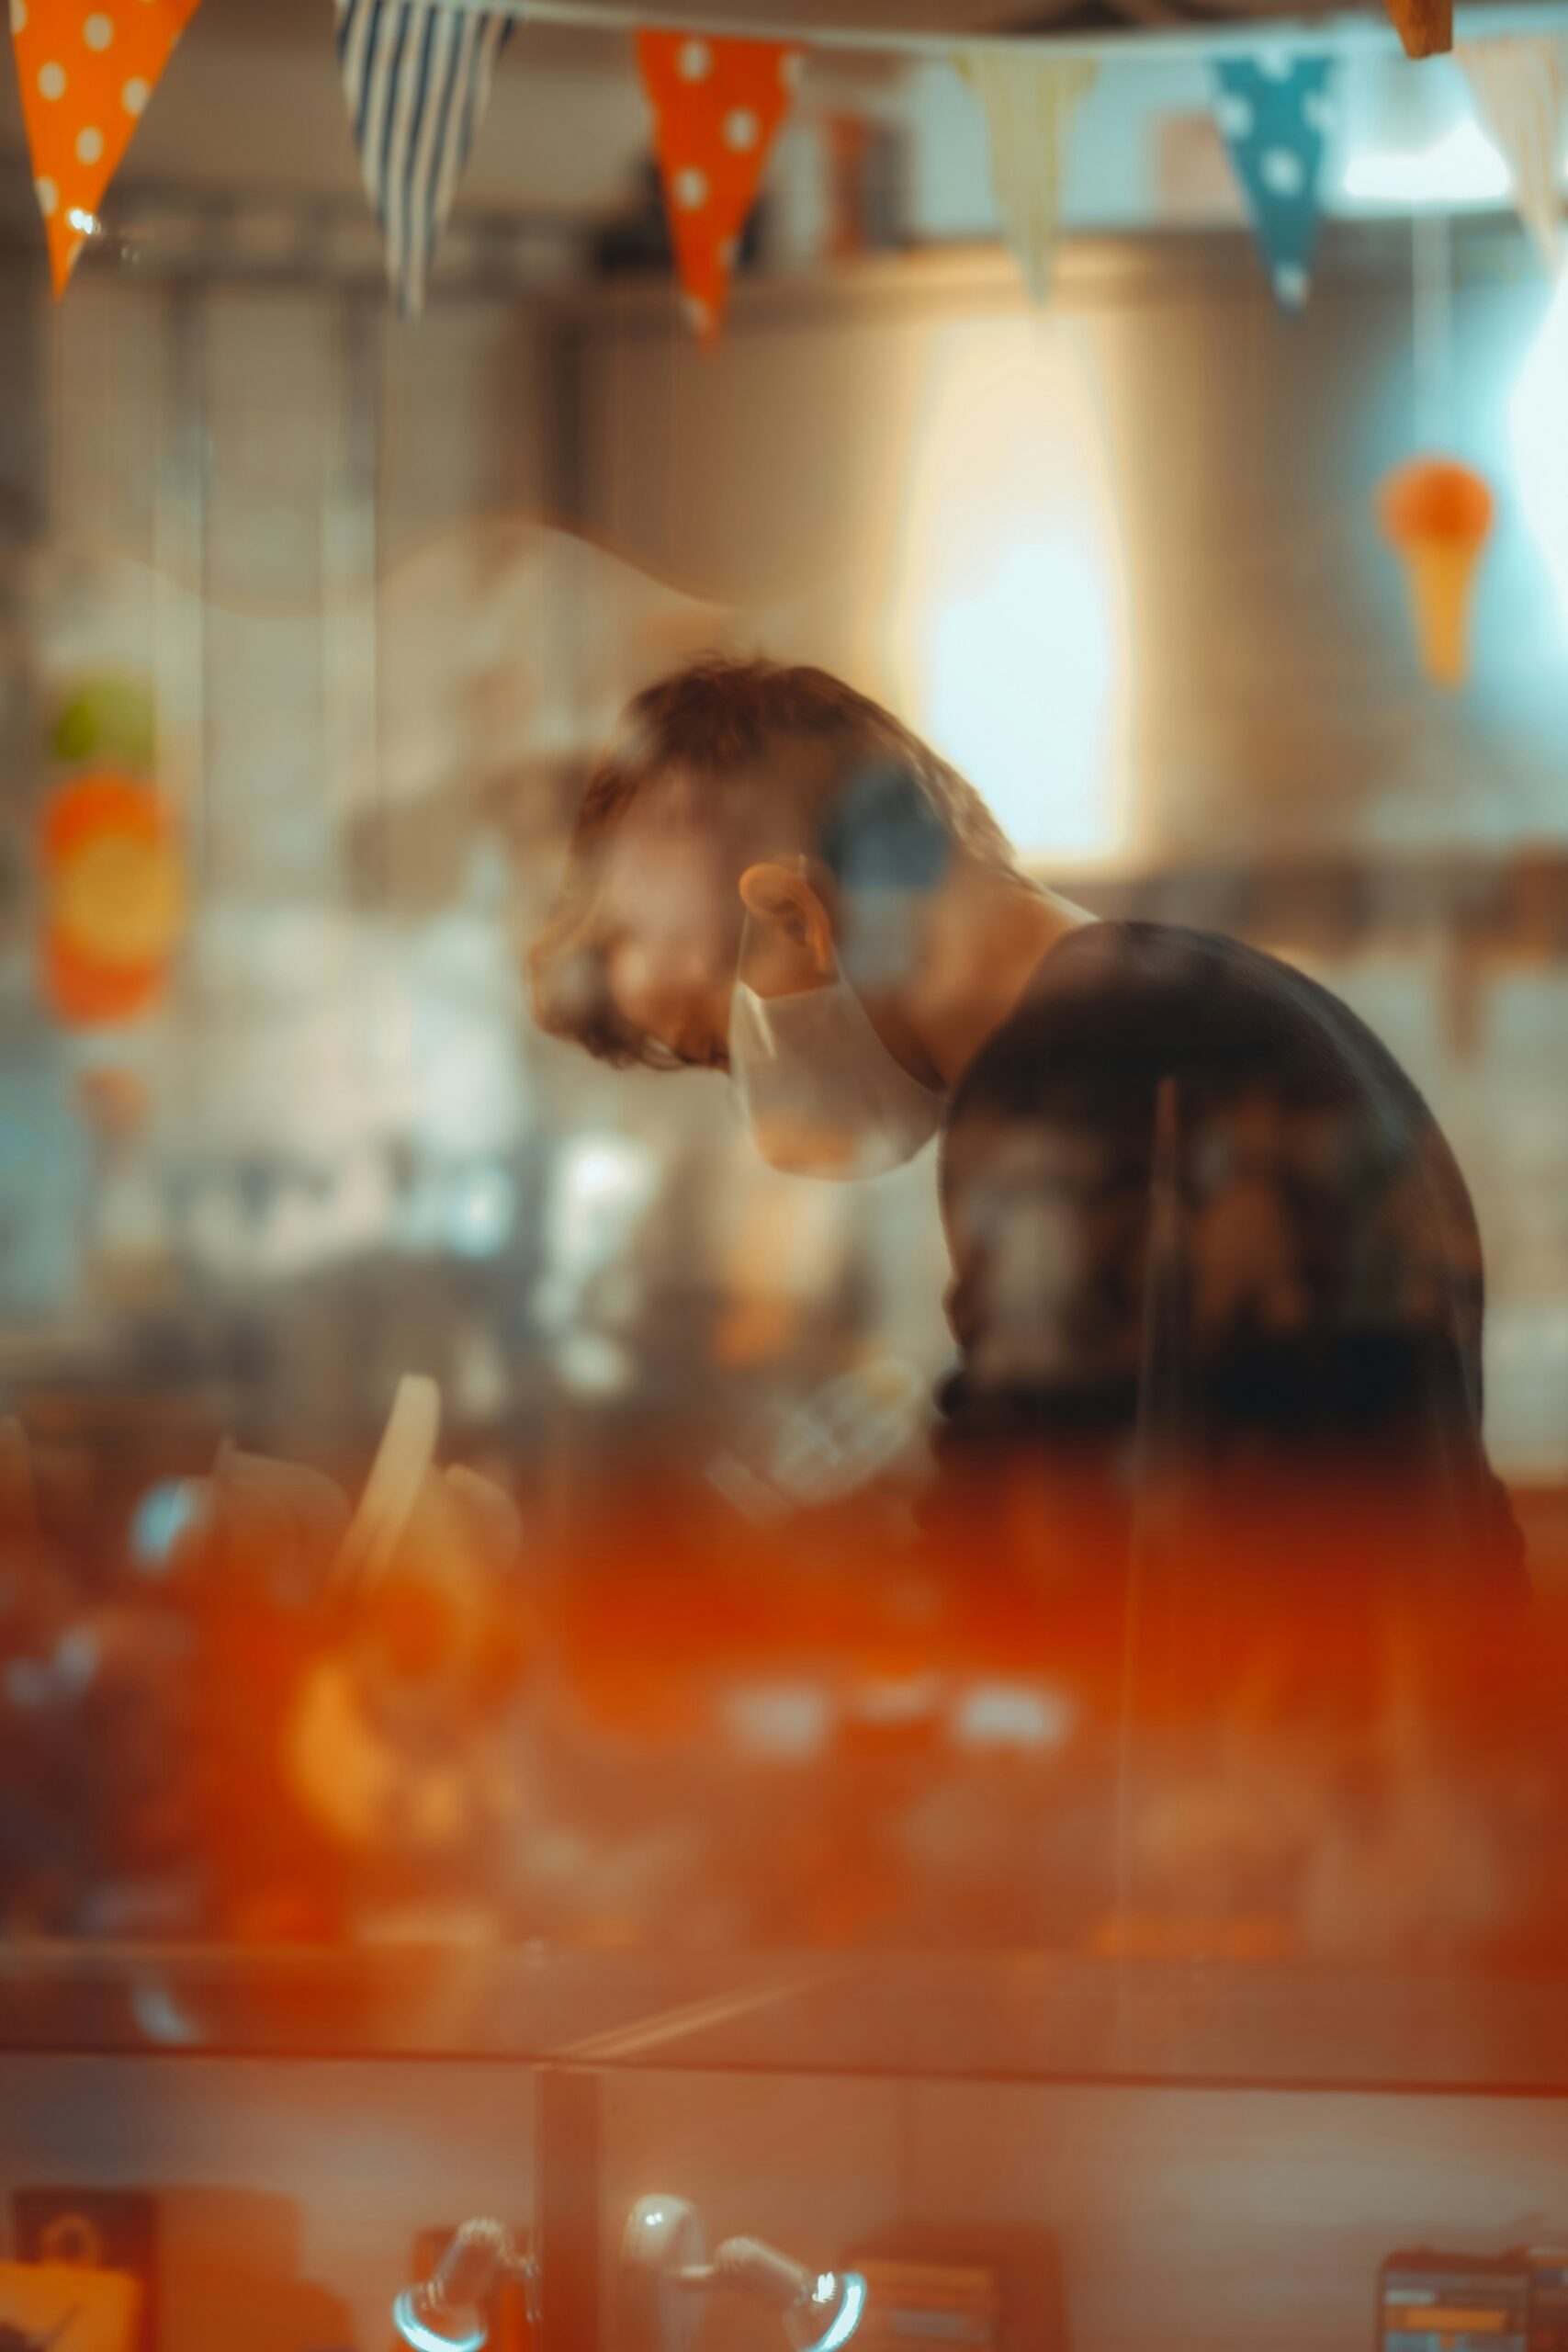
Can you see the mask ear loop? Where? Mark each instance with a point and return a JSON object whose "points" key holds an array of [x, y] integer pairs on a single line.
{"points": [[749, 956], [746, 956], [751, 934]]}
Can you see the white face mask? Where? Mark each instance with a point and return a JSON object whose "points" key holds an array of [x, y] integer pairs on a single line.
{"points": [[823, 1095]]}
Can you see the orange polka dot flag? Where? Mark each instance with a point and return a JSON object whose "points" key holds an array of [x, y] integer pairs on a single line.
{"points": [[87, 69], [717, 105]]}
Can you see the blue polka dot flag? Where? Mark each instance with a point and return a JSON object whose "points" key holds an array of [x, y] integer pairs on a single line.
{"points": [[1276, 115], [417, 76]]}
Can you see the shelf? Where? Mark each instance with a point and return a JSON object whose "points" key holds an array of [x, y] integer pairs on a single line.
{"points": [[1029, 2018]]}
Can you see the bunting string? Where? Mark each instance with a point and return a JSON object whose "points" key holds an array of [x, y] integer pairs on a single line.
{"points": [[417, 76], [1209, 37]]}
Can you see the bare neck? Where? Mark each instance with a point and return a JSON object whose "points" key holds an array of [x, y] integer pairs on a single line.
{"points": [[986, 934]]}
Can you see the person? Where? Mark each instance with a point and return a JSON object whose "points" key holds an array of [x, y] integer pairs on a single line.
{"points": [[1207, 1237]]}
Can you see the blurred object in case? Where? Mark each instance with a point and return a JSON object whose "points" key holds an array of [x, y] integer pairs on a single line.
{"points": [[507, 2321], [1429, 2301], [930, 2303], [94, 2252], [1548, 2299], [929, 2284], [44, 2303]]}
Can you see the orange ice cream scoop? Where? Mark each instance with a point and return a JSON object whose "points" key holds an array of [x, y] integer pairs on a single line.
{"points": [[113, 896], [1437, 515]]}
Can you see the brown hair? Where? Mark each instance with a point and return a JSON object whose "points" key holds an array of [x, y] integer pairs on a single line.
{"points": [[694, 737]]}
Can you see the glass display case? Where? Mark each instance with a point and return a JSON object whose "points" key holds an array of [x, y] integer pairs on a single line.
{"points": [[1015, 2152]]}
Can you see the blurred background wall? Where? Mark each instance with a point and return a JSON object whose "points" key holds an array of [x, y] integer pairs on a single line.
{"points": [[387, 587]]}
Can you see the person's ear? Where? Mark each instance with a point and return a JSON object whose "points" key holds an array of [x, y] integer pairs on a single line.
{"points": [[783, 905]]}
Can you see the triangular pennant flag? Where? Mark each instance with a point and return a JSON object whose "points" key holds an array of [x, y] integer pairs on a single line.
{"points": [[1276, 117], [1518, 82], [417, 77], [1027, 103], [87, 70], [717, 105]]}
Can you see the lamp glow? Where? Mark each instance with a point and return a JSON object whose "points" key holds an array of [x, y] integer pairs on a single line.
{"points": [[1010, 618], [1020, 681], [1540, 444], [1461, 167]]}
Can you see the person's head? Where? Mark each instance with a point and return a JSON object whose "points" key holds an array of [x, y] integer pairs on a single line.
{"points": [[746, 804]]}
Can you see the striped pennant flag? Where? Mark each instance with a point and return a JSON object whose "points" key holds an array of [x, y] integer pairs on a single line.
{"points": [[1518, 82], [417, 76]]}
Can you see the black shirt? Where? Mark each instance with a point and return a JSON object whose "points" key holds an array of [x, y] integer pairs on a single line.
{"points": [[1198, 1213]]}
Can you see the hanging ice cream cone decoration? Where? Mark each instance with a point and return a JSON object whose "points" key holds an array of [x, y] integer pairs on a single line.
{"points": [[1437, 515]]}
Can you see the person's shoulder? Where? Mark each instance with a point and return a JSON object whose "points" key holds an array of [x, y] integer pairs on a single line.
{"points": [[1133, 972], [1144, 953], [1144, 960], [1106, 997], [1127, 994]]}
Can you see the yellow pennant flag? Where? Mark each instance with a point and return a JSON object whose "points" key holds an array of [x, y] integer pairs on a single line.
{"points": [[1028, 104], [1520, 87], [87, 70]]}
